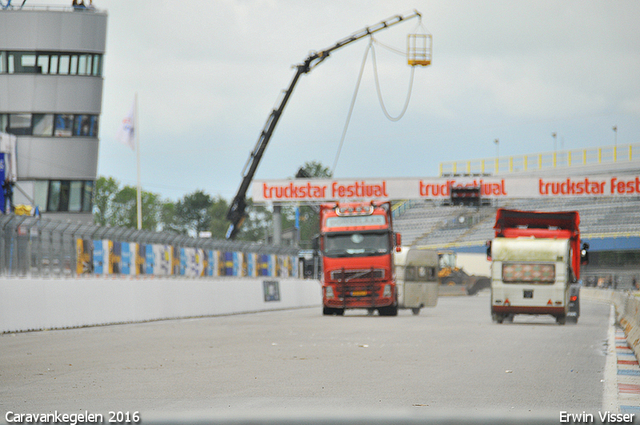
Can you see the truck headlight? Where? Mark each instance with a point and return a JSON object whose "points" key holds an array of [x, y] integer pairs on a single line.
{"points": [[328, 292], [386, 293]]}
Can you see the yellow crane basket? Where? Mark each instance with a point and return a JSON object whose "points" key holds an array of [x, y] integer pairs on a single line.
{"points": [[419, 49]]}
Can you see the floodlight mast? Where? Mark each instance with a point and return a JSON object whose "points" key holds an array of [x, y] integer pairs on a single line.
{"points": [[236, 213]]}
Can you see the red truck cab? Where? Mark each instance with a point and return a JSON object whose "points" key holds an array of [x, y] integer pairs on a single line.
{"points": [[356, 245]]}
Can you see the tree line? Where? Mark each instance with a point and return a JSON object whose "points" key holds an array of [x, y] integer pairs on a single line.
{"points": [[198, 211]]}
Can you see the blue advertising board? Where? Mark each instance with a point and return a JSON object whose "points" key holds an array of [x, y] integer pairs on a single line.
{"points": [[2, 178]]}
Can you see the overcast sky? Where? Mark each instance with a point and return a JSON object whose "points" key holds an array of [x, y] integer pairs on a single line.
{"points": [[208, 74]]}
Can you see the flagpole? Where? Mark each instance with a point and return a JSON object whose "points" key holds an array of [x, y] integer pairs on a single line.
{"points": [[137, 134]]}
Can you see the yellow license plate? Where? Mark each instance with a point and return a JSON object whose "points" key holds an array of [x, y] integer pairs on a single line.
{"points": [[358, 293]]}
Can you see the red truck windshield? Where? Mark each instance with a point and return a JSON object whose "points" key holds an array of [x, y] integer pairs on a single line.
{"points": [[357, 244]]}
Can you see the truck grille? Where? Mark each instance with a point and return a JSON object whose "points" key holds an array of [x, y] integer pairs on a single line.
{"points": [[364, 275]]}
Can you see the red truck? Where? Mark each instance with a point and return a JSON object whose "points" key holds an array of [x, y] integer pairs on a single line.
{"points": [[357, 243], [536, 258]]}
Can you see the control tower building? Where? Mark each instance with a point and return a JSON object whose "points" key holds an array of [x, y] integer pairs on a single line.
{"points": [[51, 63]]}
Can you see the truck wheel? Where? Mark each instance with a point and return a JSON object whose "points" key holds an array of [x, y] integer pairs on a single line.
{"points": [[498, 318], [415, 311], [561, 320], [391, 310], [328, 311]]}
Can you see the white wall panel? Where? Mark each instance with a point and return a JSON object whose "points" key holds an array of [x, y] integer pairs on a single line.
{"points": [[36, 304]]}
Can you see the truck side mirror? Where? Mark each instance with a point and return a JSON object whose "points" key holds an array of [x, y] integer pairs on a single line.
{"points": [[315, 242], [488, 250], [584, 254], [398, 242]]}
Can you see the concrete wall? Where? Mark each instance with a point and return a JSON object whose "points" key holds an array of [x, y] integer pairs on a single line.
{"points": [[37, 304]]}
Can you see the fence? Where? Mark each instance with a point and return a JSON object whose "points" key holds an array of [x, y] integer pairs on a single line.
{"points": [[542, 161], [37, 247]]}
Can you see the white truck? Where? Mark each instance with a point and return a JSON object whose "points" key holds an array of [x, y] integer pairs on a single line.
{"points": [[536, 257], [416, 278]]}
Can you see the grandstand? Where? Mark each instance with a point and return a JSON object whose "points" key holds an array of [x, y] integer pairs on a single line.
{"points": [[610, 225], [432, 224]]}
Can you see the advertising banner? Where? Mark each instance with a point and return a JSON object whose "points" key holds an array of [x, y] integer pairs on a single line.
{"points": [[176, 262], [162, 256], [141, 259], [212, 263], [101, 256], [263, 264], [271, 290], [84, 255], [322, 190], [252, 267], [192, 262], [125, 258], [158, 259], [226, 264], [288, 267], [185, 258], [202, 259], [115, 258], [8, 148], [273, 265], [149, 260], [2, 178], [8, 169], [128, 258], [238, 259]]}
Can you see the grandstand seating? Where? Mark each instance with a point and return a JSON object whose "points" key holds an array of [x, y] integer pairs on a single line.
{"points": [[434, 224], [429, 223]]}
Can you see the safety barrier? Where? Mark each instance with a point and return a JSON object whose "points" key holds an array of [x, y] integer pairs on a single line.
{"points": [[36, 304], [627, 306]]}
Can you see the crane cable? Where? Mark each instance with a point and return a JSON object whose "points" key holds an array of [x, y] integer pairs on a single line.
{"points": [[355, 94], [379, 91], [375, 73], [353, 103]]}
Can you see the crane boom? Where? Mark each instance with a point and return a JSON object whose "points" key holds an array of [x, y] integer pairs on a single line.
{"points": [[236, 212]]}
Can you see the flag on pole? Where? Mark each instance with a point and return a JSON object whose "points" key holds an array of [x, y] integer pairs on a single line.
{"points": [[126, 132]]}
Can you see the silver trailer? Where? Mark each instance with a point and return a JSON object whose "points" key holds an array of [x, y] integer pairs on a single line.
{"points": [[416, 278]]}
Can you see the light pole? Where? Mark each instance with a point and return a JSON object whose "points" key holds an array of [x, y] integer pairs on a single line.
{"points": [[615, 143], [497, 142]]}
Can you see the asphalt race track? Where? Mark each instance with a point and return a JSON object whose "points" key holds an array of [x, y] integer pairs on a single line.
{"points": [[450, 358]]}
